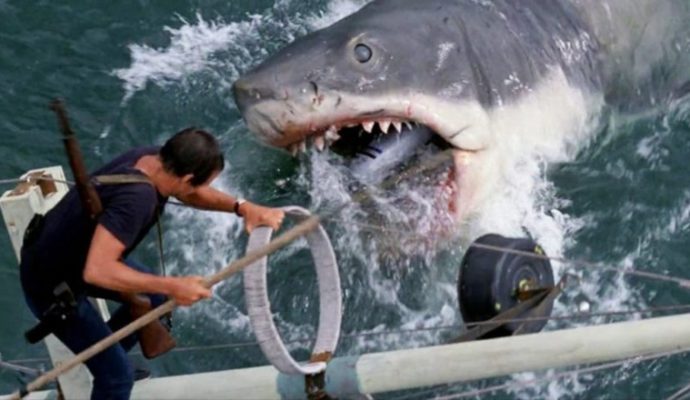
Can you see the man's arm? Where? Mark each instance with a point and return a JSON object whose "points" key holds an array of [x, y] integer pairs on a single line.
{"points": [[104, 269], [208, 198]]}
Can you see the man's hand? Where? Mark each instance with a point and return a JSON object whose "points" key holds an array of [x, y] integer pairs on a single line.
{"points": [[187, 290], [255, 215]]}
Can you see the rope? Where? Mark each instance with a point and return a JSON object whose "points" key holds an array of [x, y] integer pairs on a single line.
{"points": [[357, 335], [680, 394], [51, 179], [19, 368], [71, 183], [35, 178], [683, 283], [573, 373], [439, 158], [9, 181]]}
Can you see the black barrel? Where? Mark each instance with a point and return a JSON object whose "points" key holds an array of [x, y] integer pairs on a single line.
{"points": [[490, 280]]}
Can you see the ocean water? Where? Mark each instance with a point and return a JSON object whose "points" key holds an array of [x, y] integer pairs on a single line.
{"points": [[134, 72]]}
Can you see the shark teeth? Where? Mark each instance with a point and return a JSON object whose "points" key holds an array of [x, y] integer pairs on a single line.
{"points": [[398, 126], [384, 125], [294, 149], [323, 140], [320, 143], [368, 126], [388, 125], [332, 134]]}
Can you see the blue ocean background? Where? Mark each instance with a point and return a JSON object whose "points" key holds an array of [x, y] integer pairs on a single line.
{"points": [[134, 72]]}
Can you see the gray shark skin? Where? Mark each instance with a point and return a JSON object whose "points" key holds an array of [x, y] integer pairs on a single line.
{"points": [[488, 52], [464, 69]]}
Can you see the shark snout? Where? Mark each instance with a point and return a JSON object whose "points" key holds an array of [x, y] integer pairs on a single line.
{"points": [[252, 90]]}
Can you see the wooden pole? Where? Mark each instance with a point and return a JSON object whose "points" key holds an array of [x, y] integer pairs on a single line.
{"points": [[298, 231]]}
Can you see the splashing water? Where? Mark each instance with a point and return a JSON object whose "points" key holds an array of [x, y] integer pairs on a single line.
{"points": [[223, 49], [394, 263]]}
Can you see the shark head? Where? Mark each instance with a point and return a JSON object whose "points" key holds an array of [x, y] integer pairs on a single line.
{"points": [[363, 71], [400, 67]]}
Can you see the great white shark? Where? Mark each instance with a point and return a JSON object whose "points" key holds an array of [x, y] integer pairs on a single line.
{"points": [[478, 74]]}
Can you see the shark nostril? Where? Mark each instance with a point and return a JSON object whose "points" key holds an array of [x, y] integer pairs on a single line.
{"points": [[248, 92], [241, 86]]}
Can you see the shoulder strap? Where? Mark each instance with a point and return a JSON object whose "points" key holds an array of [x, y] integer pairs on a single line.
{"points": [[120, 179]]}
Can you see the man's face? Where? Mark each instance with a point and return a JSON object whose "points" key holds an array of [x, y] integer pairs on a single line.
{"points": [[184, 185]]}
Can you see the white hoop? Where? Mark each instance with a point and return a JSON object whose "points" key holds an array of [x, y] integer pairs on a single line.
{"points": [[259, 307]]}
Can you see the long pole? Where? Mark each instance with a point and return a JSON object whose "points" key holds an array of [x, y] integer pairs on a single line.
{"points": [[298, 231]]}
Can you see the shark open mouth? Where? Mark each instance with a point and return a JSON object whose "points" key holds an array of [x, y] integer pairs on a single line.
{"points": [[374, 149], [349, 134], [382, 149]]}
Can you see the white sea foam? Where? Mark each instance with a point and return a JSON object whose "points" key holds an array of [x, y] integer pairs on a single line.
{"points": [[191, 50], [528, 137], [221, 48], [337, 10], [203, 45]]}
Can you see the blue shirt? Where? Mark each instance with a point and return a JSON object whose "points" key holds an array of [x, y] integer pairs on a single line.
{"points": [[60, 250]]}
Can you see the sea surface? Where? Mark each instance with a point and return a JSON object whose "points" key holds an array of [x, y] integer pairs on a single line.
{"points": [[133, 72]]}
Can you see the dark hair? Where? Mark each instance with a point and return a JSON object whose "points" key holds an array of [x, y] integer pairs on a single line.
{"points": [[192, 151]]}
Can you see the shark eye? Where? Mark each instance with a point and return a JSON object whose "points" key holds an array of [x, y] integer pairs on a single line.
{"points": [[363, 53]]}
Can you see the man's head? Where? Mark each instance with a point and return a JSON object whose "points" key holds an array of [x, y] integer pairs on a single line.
{"points": [[193, 154]]}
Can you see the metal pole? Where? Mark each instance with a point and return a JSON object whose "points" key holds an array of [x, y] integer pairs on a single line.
{"points": [[406, 369]]}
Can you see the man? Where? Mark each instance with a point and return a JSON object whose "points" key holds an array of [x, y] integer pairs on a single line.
{"points": [[89, 255]]}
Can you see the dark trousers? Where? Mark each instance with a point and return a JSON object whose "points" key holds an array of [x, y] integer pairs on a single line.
{"points": [[111, 370]]}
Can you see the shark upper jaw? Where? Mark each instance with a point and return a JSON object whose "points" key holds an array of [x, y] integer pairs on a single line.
{"points": [[322, 119]]}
